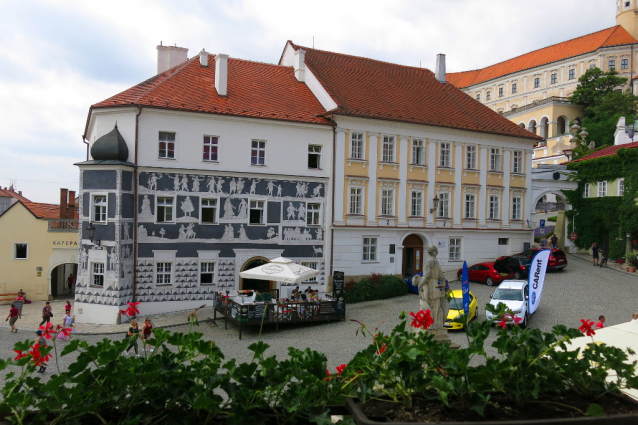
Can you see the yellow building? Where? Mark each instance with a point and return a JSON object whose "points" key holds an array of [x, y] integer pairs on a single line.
{"points": [[533, 89], [39, 248]]}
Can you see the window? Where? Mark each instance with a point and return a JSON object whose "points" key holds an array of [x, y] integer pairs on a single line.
{"points": [[416, 203], [494, 207], [513, 88], [503, 241], [369, 249], [418, 152], [313, 214], [572, 74], [258, 152], [314, 157], [624, 64], [470, 206], [444, 159], [388, 149], [488, 95], [312, 265], [517, 208], [495, 159], [554, 78], [470, 157], [455, 249], [20, 251], [592, 65], [256, 215], [99, 209], [602, 189], [356, 200], [356, 145], [537, 82], [387, 202], [612, 64], [163, 273], [444, 205], [97, 275], [209, 211], [500, 92], [621, 187], [517, 163], [164, 210], [211, 148], [478, 96], [206, 273], [166, 145], [586, 191]]}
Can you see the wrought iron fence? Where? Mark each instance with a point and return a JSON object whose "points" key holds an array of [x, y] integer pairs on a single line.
{"points": [[63, 225]]}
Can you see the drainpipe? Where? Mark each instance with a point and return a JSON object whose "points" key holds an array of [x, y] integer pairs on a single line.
{"points": [[87, 146], [134, 282], [334, 159]]}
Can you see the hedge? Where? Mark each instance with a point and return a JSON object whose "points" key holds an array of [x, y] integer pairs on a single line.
{"points": [[375, 287]]}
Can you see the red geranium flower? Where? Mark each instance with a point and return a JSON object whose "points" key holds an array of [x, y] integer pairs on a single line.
{"points": [[516, 319], [37, 356], [383, 347], [422, 319], [20, 355], [341, 368], [503, 322], [132, 309], [328, 375], [65, 331], [47, 330], [587, 327]]}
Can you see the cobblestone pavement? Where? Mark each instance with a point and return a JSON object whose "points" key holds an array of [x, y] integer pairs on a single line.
{"points": [[580, 291]]}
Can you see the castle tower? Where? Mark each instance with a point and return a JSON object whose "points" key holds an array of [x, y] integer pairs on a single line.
{"points": [[627, 15]]}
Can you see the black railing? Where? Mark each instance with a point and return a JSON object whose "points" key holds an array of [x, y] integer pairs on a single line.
{"points": [[536, 104], [63, 225]]}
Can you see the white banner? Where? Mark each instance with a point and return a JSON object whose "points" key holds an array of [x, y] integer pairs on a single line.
{"points": [[537, 270]]}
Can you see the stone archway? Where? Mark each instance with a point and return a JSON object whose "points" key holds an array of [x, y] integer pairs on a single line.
{"points": [[258, 284], [412, 255], [58, 278]]}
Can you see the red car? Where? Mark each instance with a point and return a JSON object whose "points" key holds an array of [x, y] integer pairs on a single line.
{"points": [[490, 273], [557, 258]]}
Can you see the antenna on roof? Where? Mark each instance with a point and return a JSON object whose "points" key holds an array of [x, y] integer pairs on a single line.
{"points": [[313, 41], [419, 64], [12, 185]]}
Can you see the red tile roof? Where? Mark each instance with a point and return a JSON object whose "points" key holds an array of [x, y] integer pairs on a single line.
{"points": [[41, 210], [373, 89], [608, 151], [255, 89], [614, 36], [8, 193]]}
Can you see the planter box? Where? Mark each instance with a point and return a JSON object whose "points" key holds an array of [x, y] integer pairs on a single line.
{"points": [[629, 419]]}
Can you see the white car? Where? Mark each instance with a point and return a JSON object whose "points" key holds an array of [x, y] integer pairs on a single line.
{"points": [[514, 294]]}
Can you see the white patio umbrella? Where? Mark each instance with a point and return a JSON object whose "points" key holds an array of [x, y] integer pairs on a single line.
{"points": [[281, 270]]}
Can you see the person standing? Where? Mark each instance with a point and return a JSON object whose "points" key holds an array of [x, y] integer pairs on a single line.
{"points": [[69, 282], [67, 308], [14, 313], [47, 314], [554, 241], [601, 322], [594, 253], [147, 332], [543, 242], [68, 323], [133, 334]]}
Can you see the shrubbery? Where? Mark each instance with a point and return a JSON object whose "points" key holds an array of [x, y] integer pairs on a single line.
{"points": [[374, 287]]}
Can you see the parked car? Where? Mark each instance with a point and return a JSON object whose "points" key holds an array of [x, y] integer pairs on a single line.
{"points": [[514, 294], [490, 273], [557, 258], [519, 265], [408, 282], [454, 316]]}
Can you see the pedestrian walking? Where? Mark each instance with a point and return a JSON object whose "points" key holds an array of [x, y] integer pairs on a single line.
{"points": [[40, 341], [133, 335], [67, 308], [554, 241], [13, 316], [594, 253], [68, 324], [601, 322], [47, 314], [147, 331]]}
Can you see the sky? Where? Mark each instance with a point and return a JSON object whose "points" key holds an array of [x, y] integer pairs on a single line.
{"points": [[59, 57]]}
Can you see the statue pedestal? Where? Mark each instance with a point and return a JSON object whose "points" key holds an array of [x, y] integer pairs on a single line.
{"points": [[440, 335]]}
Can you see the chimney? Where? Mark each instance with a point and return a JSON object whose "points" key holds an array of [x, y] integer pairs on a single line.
{"points": [[63, 198], [299, 65], [439, 72], [203, 58], [71, 208], [170, 56], [221, 74]]}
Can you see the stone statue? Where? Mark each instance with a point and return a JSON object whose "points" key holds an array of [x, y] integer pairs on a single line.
{"points": [[432, 289]]}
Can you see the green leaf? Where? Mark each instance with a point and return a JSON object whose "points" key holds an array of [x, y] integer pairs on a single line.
{"points": [[595, 410]]}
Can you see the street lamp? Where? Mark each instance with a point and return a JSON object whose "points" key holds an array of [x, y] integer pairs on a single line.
{"points": [[435, 204], [90, 233]]}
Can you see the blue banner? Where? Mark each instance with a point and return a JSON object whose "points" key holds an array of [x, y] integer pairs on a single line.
{"points": [[537, 270], [465, 287]]}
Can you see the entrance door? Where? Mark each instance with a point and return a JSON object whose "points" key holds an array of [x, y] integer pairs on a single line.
{"points": [[258, 284], [412, 255], [60, 276]]}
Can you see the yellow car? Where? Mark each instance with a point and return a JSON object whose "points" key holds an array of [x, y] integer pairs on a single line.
{"points": [[455, 315]]}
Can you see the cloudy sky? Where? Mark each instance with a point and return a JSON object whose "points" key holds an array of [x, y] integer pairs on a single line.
{"points": [[58, 57]]}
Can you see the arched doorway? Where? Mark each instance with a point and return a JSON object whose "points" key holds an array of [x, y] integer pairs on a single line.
{"points": [[532, 126], [412, 255], [544, 127], [258, 284], [60, 277]]}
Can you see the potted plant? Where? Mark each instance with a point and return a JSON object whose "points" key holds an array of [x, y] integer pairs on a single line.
{"points": [[630, 259], [407, 377]]}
